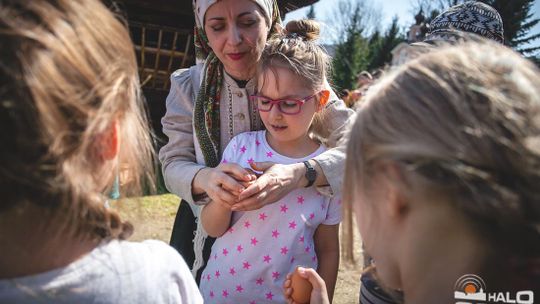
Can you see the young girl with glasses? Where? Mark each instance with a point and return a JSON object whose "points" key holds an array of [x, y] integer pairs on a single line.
{"points": [[255, 250]]}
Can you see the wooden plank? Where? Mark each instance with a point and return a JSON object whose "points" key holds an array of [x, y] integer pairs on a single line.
{"points": [[166, 53]]}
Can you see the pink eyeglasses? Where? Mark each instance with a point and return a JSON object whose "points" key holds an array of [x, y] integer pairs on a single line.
{"points": [[287, 106]]}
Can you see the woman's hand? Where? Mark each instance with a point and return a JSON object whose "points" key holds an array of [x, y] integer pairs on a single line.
{"points": [[223, 183], [276, 182], [319, 295]]}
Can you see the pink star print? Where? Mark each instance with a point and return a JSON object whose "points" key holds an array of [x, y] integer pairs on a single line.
{"points": [[262, 216], [232, 271], [267, 258], [254, 241], [275, 234], [211, 294], [260, 281], [301, 239], [314, 258], [275, 275], [225, 251], [239, 288], [247, 265], [292, 225], [224, 161], [270, 295], [269, 154], [284, 208], [231, 230], [247, 224], [252, 302], [292, 260], [225, 293], [284, 250], [250, 160], [300, 200], [217, 274], [257, 142], [243, 149], [208, 277], [311, 216], [307, 249], [239, 248]]}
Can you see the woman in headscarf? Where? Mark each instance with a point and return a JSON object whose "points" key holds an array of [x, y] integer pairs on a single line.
{"points": [[208, 104]]}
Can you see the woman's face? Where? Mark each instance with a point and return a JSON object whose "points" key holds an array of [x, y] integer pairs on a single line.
{"points": [[236, 31]]}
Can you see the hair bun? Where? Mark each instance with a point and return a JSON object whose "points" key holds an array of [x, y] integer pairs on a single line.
{"points": [[308, 29]]}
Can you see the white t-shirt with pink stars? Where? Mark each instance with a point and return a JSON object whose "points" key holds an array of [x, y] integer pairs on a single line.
{"points": [[248, 264]]}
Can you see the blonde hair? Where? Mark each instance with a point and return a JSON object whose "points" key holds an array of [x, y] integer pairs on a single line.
{"points": [[296, 50], [68, 73], [466, 119]]}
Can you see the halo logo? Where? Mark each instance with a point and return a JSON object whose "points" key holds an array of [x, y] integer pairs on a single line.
{"points": [[471, 289]]}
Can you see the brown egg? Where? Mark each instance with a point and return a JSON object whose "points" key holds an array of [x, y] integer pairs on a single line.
{"points": [[301, 288]]}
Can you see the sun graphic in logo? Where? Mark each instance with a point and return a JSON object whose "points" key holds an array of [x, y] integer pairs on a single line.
{"points": [[470, 287]]}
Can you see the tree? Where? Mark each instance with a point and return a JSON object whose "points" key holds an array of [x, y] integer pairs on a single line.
{"points": [[518, 21], [311, 12], [351, 53], [382, 51], [368, 18]]}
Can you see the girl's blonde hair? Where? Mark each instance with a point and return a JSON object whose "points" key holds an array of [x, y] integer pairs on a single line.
{"points": [[296, 50], [466, 119], [68, 73]]}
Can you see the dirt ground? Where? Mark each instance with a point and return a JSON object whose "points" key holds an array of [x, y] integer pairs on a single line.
{"points": [[153, 217]]}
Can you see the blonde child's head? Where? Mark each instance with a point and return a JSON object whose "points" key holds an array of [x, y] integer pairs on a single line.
{"points": [[457, 128], [71, 112], [296, 52]]}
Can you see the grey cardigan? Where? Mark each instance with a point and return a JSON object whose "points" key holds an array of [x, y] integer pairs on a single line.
{"points": [[181, 157]]}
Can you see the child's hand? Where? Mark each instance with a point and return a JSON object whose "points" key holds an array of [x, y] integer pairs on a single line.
{"points": [[276, 181], [245, 184], [319, 295]]}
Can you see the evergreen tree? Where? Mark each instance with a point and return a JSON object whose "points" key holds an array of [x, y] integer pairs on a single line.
{"points": [[374, 45], [382, 54], [311, 12], [517, 16], [351, 53]]}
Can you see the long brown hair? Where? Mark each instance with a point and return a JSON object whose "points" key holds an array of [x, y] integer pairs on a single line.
{"points": [[68, 73], [466, 119]]}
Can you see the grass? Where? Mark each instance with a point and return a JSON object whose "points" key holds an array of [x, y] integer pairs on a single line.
{"points": [[153, 218]]}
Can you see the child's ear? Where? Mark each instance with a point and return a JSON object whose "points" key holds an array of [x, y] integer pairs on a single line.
{"points": [[108, 142], [325, 95]]}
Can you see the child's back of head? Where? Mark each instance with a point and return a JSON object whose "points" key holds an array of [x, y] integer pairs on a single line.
{"points": [[465, 120], [68, 75]]}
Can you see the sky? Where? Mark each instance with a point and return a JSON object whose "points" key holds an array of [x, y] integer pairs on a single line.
{"points": [[324, 10]]}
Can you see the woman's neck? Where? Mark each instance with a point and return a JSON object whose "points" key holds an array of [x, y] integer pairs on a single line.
{"points": [[298, 148], [33, 243], [241, 77]]}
